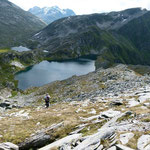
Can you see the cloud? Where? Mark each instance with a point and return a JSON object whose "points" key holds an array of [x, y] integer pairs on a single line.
{"points": [[85, 6]]}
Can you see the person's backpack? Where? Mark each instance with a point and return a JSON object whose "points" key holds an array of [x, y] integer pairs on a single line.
{"points": [[47, 99]]}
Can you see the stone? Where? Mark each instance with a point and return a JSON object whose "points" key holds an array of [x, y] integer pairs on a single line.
{"points": [[40, 138], [132, 103], [147, 104], [122, 147], [5, 104], [89, 118], [21, 113], [110, 113], [8, 146], [147, 147], [38, 123], [112, 148], [61, 142], [94, 141], [124, 138], [1, 98], [116, 103], [144, 97], [143, 141], [93, 111]]}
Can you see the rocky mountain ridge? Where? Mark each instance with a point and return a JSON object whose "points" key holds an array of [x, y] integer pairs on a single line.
{"points": [[50, 14], [101, 34]]}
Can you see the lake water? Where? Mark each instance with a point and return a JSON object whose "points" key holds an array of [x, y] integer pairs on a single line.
{"points": [[20, 49], [46, 72]]}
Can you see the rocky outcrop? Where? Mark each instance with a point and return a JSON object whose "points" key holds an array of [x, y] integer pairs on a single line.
{"points": [[65, 142], [39, 139]]}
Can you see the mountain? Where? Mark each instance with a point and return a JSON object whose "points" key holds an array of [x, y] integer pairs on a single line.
{"points": [[16, 24], [109, 35], [50, 14]]}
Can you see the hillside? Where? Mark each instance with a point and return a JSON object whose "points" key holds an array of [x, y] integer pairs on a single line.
{"points": [[16, 24], [105, 34], [108, 108], [50, 14], [138, 32]]}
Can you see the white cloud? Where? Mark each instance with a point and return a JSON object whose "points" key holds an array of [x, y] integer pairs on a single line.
{"points": [[85, 6]]}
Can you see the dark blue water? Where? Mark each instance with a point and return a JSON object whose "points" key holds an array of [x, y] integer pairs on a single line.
{"points": [[46, 72]]}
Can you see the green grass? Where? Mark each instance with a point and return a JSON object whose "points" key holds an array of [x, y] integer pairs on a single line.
{"points": [[4, 50]]}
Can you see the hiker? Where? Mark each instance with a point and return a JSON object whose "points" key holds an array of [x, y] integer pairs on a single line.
{"points": [[47, 100]]}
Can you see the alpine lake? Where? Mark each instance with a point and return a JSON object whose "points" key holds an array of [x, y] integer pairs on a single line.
{"points": [[46, 72]]}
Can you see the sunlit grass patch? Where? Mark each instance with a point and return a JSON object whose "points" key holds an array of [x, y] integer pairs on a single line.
{"points": [[4, 50]]}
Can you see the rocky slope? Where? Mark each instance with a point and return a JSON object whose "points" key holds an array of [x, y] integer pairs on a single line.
{"points": [[50, 14], [16, 24], [108, 35], [106, 109]]}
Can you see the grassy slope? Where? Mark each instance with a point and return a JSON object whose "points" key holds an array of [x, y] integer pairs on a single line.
{"points": [[138, 32]]}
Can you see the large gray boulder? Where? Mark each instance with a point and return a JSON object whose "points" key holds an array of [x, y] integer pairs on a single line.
{"points": [[39, 139], [124, 138], [143, 142], [122, 147], [94, 141], [65, 142]]}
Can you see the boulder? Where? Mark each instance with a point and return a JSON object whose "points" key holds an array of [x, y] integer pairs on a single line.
{"points": [[6, 104], [39, 139], [8, 146], [116, 103], [122, 147], [147, 147], [62, 142], [110, 113], [144, 97], [112, 148], [143, 142], [93, 111], [94, 141], [132, 103], [147, 104], [124, 138]]}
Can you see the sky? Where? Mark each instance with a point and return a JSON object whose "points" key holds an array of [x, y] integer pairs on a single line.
{"points": [[85, 6]]}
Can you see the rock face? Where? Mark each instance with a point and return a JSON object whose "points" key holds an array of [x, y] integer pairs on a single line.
{"points": [[50, 14], [16, 24]]}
